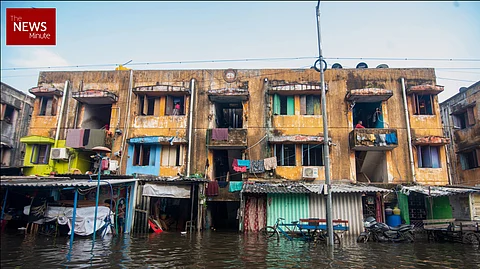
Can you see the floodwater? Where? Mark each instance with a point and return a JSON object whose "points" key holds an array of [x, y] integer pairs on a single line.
{"points": [[226, 250]]}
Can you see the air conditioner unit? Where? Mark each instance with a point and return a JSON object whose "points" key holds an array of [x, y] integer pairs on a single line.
{"points": [[310, 172], [59, 154]]}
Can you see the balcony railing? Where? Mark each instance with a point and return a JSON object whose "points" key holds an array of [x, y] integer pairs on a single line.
{"points": [[367, 139], [227, 138]]}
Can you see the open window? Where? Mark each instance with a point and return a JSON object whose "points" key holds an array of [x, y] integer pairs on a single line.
{"points": [[423, 104], [428, 156], [141, 155], [229, 115], [470, 159], [7, 113], [285, 154], [48, 106], [283, 105], [370, 114], [172, 155], [146, 105], [310, 105], [40, 154], [464, 119], [175, 105], [312, 155]]}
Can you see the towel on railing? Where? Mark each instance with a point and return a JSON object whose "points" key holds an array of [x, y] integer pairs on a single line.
{"points": [[270, 163], [212, 188], [235, 186], [257, 167], [238, 168], [220, 134], [244, 163], [391, 138]]}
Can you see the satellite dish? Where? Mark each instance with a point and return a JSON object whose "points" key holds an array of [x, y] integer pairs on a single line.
{"points": [[382, 66], [101, 149], [362, 65], [337, 66]]}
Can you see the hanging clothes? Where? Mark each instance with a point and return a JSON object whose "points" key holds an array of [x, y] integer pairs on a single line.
{"points": [[212, 188], [238, 168], [270, 163], [244, 163], [235, 186], [257, 166], [381, 140], [220, 134]]}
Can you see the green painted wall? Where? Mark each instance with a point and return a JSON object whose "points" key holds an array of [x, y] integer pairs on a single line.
{"points": [[440, 208]]}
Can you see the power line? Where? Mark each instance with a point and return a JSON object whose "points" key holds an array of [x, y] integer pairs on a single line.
{"points": [[247, 60]]}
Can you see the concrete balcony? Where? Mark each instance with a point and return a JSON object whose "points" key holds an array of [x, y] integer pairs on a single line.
{"points": [[95, 97], [368, 139], [228, 95], [369, 95], [237, 139]]}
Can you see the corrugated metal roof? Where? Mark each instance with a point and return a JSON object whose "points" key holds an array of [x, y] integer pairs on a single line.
{"points": [[149, 178], [437, 191], [57, 182], [345, 188], [274, 188]]}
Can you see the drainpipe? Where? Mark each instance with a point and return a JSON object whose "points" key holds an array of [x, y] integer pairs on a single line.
{"points": [[77, 109], [409, 134], [64, 99], [127, 123], [190, 127]]}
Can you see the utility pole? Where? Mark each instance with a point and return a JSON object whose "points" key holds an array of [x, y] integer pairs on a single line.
{"points": [[325, 135]]}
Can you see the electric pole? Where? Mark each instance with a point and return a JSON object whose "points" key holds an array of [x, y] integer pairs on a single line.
{"points": [[325, 135]]}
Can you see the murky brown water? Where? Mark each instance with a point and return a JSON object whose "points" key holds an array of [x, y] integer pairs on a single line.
{"points": [[227, 250]]}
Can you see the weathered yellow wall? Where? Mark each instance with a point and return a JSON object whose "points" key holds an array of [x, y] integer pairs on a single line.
{"points": [[258, 113]]}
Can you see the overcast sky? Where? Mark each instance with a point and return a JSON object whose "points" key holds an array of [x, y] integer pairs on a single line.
{"points": [[91, 33]]}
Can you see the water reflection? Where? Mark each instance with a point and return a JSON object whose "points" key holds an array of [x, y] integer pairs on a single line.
{"points": [[226, 250]]}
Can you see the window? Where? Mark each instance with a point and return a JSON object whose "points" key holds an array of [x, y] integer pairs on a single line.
{"points": [[464, 119], [175, 105], [146, 105], [470, 159], [141, 155], [428, 157], [48, 106], [172, 155], [285, 154], [312, 155], [40, 154], [7, 113], [423, 104], [310, 105], [283, 105]]}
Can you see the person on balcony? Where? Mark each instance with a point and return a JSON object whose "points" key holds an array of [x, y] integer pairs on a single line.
{"points": [[359, 125]]}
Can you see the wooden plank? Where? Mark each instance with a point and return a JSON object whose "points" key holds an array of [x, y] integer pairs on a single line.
{"points": [[438, 221]]}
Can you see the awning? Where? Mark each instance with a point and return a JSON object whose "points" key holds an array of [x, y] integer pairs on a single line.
{"points": [[345, 188], [431, 140], [369, 95], [280, 87], [436, 191], [160, 90], [228, 95], [157, 140], [166, 191], [274, 188], [48, 182], [425, 89], [300, 139], [36, 139], [95, 97], [44, 91]]}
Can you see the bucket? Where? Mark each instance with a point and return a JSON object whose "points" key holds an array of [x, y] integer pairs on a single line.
{"points": [[394, 220]]}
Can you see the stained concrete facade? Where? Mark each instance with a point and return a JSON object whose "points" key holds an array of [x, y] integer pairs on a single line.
{"points": [[262, 110], [16, 110], [461, 121]]}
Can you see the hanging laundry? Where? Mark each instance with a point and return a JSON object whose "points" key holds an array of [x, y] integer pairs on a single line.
{"points": [[257, 166], [244, 163], [238, 168], [381, 140], [212, 188], [235, 186], [391, 138], [270, 163], [220, 134]]}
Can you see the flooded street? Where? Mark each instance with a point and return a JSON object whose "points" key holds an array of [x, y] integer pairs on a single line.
{"points": [[227, 250]]}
